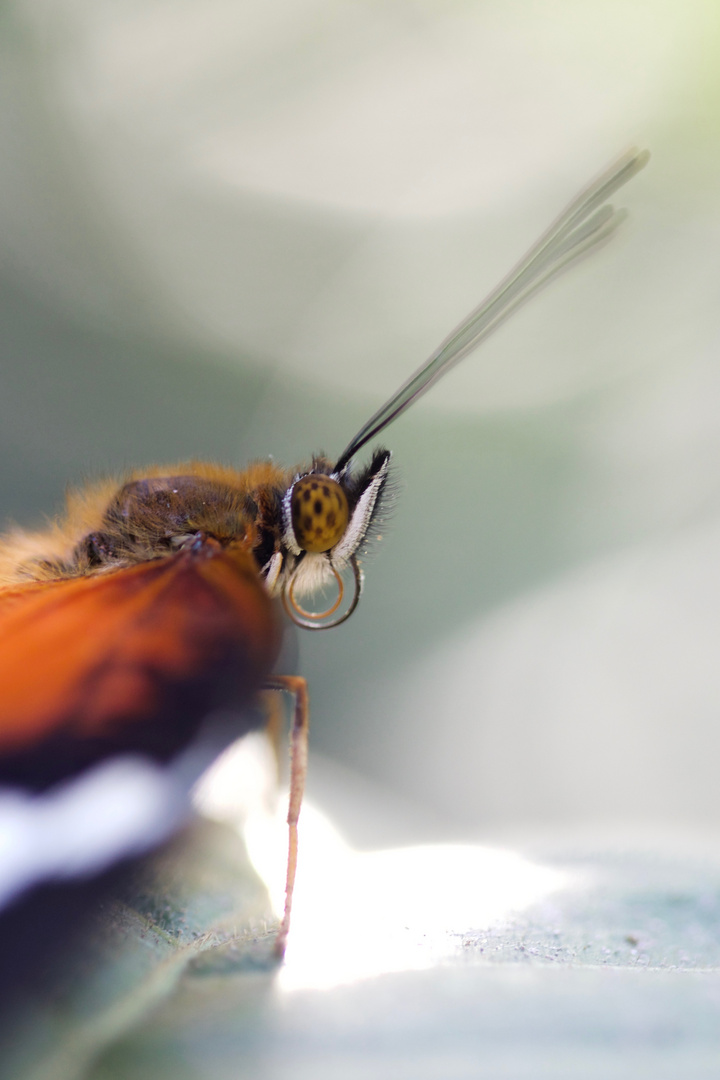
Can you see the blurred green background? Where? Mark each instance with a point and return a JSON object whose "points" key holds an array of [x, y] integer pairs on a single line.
{"points": [[231, 230]]}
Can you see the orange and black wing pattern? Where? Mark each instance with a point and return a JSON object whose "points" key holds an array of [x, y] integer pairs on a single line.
{"points": [[133, 660]]}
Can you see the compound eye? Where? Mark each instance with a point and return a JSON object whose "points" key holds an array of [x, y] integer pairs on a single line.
{"points": [[320, 512]]}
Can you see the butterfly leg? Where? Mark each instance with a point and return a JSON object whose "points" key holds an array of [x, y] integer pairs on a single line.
{"points": [[297, 686]]}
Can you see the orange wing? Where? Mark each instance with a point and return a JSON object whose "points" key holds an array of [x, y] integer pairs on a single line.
{"points": [[134, 659]]}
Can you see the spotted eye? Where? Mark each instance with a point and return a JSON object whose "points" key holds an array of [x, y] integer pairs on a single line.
{"points": [[319, 512]]}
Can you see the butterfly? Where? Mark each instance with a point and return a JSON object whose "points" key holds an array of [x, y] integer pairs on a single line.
{"points": [[137, 632]]}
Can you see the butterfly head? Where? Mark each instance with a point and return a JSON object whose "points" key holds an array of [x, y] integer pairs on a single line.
{"points": [[327, 519]]}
